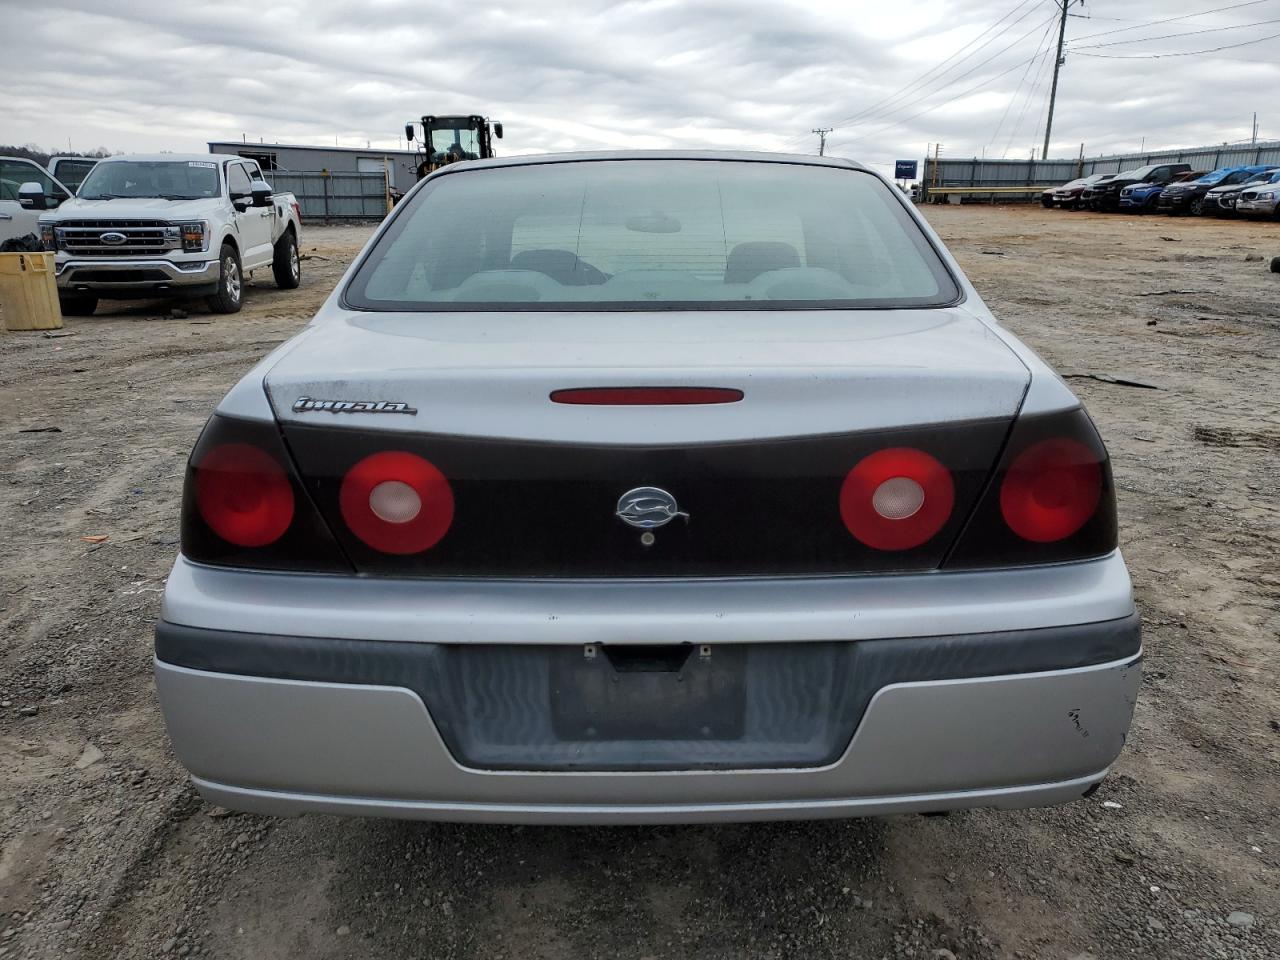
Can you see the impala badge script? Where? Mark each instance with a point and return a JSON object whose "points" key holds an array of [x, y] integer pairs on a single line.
{"points": [[308, 405]]}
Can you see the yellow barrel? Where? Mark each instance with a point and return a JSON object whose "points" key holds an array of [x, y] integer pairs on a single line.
{"points": [[29, 292]]}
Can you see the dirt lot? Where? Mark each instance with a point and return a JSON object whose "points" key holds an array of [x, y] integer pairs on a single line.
{"points": [[105, 851]]}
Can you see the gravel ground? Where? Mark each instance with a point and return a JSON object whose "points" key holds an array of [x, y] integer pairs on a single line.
{"points": [[106, 852]]}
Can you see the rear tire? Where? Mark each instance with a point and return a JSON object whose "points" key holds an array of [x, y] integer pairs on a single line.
{"points": [[78, 305], [1275, 264], [286, 266], [230, 295]]}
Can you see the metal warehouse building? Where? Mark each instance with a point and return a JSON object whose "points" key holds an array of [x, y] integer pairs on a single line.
{"points": [[331, 183]]}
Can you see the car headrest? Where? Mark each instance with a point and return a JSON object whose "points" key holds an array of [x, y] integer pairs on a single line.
{"points": [[748, 260], [562, 266]]}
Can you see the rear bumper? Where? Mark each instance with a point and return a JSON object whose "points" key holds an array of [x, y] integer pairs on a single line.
{"points": [[107, 276], [278, 803], [945, 739]]}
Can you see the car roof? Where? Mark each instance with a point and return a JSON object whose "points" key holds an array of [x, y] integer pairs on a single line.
{"points": [[747, 156], [1249, 168], [172, 157]]}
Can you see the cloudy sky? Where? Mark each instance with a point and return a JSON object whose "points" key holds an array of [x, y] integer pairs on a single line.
{"points": [[891, 77]]}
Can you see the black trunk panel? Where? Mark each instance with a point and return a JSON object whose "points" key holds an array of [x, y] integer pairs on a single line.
{"points": [[763, 508]]}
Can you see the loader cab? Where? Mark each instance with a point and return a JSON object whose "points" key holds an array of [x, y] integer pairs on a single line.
{"points": [[447, 140]]}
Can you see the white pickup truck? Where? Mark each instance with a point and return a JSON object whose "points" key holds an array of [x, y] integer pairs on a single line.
{"points": [[19, 213], [170, 225]]}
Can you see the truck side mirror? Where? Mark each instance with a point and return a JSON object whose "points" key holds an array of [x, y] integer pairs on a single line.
{"points": [[260, 192], [31, 195], [408, 132], [497, 130]]}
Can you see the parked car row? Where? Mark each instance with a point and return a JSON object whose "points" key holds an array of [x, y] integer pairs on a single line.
{"points": [[166, 225], [1175, 188]]}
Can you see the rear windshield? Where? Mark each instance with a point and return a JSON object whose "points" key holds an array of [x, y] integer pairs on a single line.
{"points": [[170, 179], [652, 234], [71, 173], [1215, 176]]}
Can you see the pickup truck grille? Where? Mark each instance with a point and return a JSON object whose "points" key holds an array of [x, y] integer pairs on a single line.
{"points": [[141, 238]]}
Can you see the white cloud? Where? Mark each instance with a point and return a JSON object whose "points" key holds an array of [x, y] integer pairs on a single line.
{"points": [[136, 75]]}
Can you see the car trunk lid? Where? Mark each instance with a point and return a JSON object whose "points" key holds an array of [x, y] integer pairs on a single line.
{"points": [[802, 373], [537, 484]]}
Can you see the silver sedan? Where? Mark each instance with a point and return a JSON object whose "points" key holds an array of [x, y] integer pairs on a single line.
{"points": [[645, 487]]}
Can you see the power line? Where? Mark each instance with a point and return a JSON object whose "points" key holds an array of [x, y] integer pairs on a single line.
{"points": [[1057, 66], [972, 70], [867, 114], [1045, 123], [1018, 90], [928, 77], [936, 73], [1023, 95], [1031, 96], [959, 96], [1171, 36], [1189, 53], [1185, 16]]}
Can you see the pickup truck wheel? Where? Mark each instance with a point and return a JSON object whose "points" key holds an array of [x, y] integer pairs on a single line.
{"points": [[78, 306], [230, 293], [286, 265]]}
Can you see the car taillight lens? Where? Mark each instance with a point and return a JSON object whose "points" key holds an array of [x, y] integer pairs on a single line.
{"points": [[396, 502], [1051, 490], [896, 499], [1050, 500], [244, 495], [244, 506]]}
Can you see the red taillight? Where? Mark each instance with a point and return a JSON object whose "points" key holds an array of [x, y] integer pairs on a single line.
{"points": [[244, 495], [896, 499], [645, 396], [1051, 490], [396, 502], [297, 211]]}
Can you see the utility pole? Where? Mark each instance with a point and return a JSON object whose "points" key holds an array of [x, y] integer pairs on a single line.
{"points": [[1254, 141], [1057, 65], [822, 139]]}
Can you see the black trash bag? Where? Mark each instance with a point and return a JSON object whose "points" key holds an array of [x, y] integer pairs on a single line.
{"points": [[28, 244]]}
